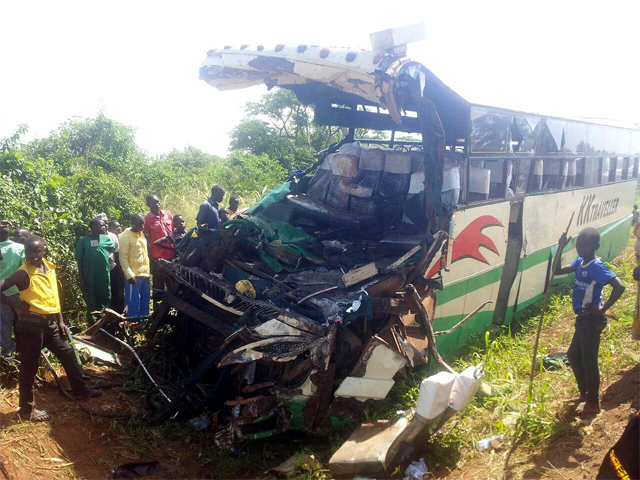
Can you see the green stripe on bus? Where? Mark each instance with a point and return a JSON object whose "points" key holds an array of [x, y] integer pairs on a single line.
{"points": [[464, 287], [614, 238], [449, 344]]}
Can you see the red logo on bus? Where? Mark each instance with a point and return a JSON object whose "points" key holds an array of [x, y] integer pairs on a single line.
{"points": [[467, 244]]}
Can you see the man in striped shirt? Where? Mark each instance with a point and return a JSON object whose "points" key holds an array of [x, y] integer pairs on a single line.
{"points": [[591, 274]]}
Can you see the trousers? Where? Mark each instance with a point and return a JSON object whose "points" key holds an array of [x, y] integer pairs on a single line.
{"points": [[98, 293], [583, 355], [117, 287], [160, 280], [635, 326], [33, 334], [136, 297], [7, 318]]}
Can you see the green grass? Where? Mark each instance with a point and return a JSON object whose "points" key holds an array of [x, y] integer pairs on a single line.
{"points": [[506, 353]]}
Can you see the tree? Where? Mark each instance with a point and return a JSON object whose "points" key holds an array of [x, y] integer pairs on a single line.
{"points": [[187, 159], [281, 127], [56, 184]]}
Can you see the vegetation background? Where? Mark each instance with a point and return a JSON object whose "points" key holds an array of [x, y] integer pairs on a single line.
{"points": [[54, 185]]}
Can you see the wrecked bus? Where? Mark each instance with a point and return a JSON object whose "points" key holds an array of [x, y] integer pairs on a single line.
{"points": [[501, 183], [385, 252]]}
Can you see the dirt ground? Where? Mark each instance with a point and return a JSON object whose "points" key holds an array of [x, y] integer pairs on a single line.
{"points": [[76, 445], [72, 444], [577, 454]]}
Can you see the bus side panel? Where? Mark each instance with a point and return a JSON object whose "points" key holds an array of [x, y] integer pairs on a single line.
{"points": [[546, 216], [605, 207], [475, 270], [477, 258]]}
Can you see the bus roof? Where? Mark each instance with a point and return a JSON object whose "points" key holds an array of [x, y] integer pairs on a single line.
{"points": [[335, 75], [329, 76]]}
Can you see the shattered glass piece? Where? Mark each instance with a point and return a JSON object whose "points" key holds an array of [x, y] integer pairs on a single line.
{"points": [[251, 373], [355, 306], [489, 131]]}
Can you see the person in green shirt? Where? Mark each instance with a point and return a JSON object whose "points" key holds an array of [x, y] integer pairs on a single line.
{"points": [[11, 258], [92, 254]]}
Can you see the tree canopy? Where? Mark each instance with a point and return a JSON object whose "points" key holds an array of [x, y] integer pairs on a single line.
{"points": [[54, 185], [281, 127]]}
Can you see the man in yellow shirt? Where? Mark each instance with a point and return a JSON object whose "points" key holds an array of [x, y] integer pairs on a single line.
{"points": [[134, 259], [40, 325]]}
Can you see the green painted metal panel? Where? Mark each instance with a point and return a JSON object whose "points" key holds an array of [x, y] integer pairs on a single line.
{"points": [[614, 238], [297, 413], [471, 284]]}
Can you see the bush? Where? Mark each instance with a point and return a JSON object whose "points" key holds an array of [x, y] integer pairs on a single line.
{"points": [[55, 185]]}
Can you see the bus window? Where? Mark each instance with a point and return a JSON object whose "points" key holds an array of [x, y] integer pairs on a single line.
{"points": [[556, 134], [496, 178], [526, 133], [576, 139], [450, 180], [613, 162], [604, 169], [636, 161], [522, 175], [489, 132], [535, 182], [625, 168], [617, 169], [635, 142], [571, 168], [479, 184], [553, 178], [597, 135], [510, 183], [591, 171]]}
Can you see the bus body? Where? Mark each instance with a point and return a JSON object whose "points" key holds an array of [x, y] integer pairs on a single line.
{"points": [[507, 234], [502, 183]]}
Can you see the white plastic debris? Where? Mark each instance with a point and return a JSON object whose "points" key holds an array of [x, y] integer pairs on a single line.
{"points": [[434, 394], [465, 387], [416, 470], [491, 442]]}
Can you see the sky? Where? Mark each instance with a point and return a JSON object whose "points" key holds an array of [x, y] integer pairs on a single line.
{"points": [[138, 60]]}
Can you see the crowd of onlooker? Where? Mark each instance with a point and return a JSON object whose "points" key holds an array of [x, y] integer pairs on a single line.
{"points": [[115, 266]]}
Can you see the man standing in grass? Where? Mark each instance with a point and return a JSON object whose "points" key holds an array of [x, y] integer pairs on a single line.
{"points": [[170, 242], [134, 259], [11, 258], [234, 204], [92, 254], [157, 224], [41, 325], [117, 278], [208, 213], [591, 274]]}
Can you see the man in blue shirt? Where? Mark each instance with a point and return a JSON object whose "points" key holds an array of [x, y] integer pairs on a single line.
{"points": [[591, 275], [208, 214]]}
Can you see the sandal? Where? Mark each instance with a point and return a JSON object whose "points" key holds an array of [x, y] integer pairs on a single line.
{"points": [[92, 392], [35, 416]]}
